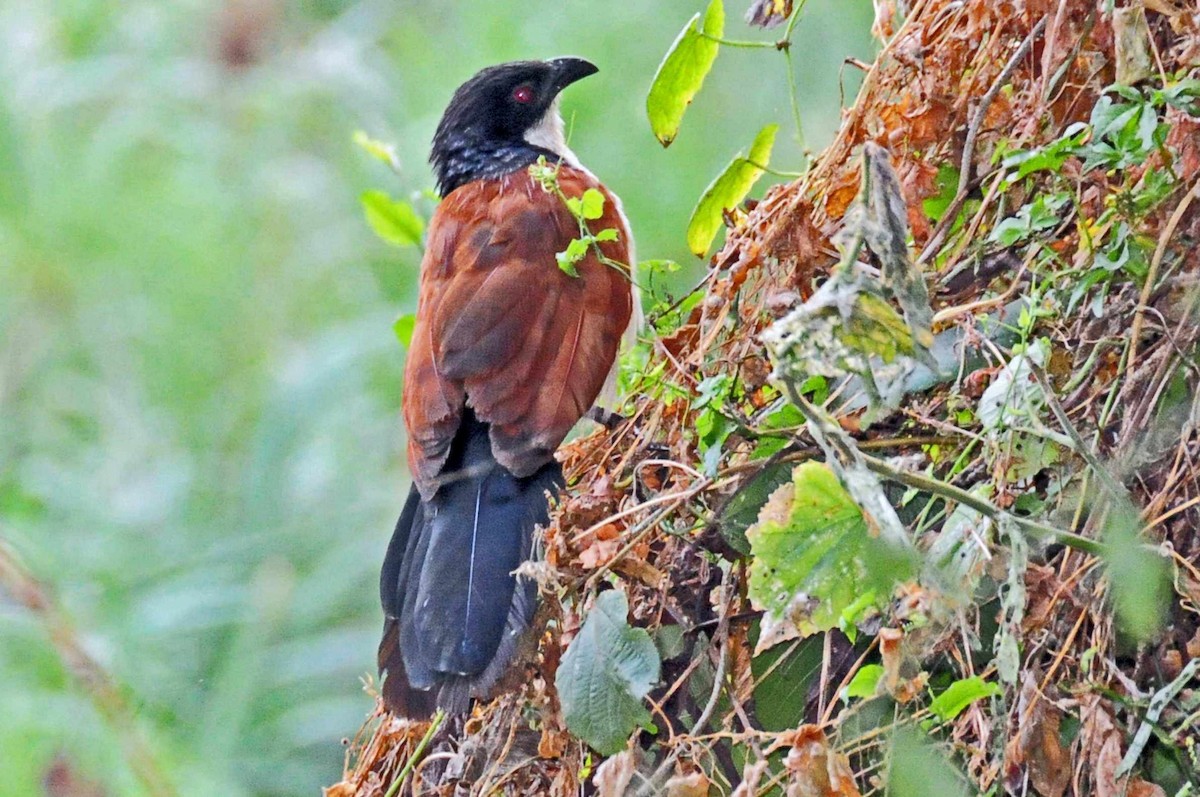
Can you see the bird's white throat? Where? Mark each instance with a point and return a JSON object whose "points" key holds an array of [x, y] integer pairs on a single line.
{"points": [[548, 134]]}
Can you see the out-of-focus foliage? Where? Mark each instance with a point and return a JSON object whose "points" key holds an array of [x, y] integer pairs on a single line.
{"points": [[199, 436]]}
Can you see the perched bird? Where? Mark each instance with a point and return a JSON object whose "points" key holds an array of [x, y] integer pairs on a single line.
{"points": [[508, 352]]}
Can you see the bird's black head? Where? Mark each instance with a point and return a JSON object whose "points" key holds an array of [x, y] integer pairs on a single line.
{"points": [[502, 119]]}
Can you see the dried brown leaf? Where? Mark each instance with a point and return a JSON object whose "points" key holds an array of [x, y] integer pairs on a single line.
{"points": [[814, 770], [694, 784], [612, 777], [1038, 744]]}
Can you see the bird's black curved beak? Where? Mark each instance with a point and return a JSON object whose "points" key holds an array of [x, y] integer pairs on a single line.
{"points": [[569, 70]]}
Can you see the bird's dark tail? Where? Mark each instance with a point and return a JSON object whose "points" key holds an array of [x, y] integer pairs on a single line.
{"points": [[454, 610]]}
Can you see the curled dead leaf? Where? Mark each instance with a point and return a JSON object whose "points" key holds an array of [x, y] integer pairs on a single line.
{"points": [[814, 770], [612, 777]]}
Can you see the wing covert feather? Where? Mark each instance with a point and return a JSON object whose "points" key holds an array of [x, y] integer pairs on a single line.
{"points": [[500, 327]]}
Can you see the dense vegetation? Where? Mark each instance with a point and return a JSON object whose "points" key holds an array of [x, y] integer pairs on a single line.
{"points": [[904, 498]]}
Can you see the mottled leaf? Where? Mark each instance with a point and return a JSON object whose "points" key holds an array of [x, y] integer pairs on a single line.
{"points": [[815, 557], [768, 13]]}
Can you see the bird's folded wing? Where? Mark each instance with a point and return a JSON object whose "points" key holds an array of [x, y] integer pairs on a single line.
{"points": [[500, 326]]}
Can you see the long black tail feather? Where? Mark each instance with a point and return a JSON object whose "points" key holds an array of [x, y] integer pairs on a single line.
{"points": [[454, 609]]}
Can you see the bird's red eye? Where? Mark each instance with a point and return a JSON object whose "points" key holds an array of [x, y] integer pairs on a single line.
{"points": [[523, 94]]}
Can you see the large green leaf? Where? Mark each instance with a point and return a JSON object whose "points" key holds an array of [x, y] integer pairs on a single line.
{"points": [[729, 189], [682, 72], [392, 220], [604, 675], [815, 559], [741, 511]]}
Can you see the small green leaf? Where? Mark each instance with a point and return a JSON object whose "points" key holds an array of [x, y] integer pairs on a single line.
{"points": [[682, 72], [607, 670], [575, 205], [960, 694], [865, 681], [593, 204], [607, 234], [658, 266], [377, 149], [393, 220], [729, 189], [403, 327], [575, 251]]}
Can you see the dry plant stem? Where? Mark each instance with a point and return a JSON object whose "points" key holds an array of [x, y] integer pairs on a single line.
{"points": [[985, 508], [1157, 704], [95, 680], [964, 174], [1077, 441], [1156, 263], [952, 493]]}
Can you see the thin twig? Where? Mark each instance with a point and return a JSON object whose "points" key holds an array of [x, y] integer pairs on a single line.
{"points": [[415, 755], [964, 174], [980, 505], [1160, 251]]}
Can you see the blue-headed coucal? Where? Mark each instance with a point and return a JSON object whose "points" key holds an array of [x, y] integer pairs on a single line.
{"points": [[508, 352]]}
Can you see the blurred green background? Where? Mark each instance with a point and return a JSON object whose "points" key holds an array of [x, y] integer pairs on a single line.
{"points": [[200, 444]]}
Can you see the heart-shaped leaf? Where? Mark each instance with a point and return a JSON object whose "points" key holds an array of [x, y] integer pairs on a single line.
{"points": [[607, 670]]}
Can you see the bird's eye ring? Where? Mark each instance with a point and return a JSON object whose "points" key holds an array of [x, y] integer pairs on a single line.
{"points": [[523, 94]]}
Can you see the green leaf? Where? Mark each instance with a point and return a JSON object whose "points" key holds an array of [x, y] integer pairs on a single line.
{"points": [[575, 251], [393, 220], [918, 769], [815, 557], [729, 189], [658, 267], [947, 188], [592, 205], [960, 694], [607, 670], [403, 327], [607, 234], [682, 72], [377, 149], [741, 511], [865, 681]]}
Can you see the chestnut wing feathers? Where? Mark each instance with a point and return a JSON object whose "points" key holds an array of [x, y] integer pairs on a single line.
{"points": [[501, 328]]}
